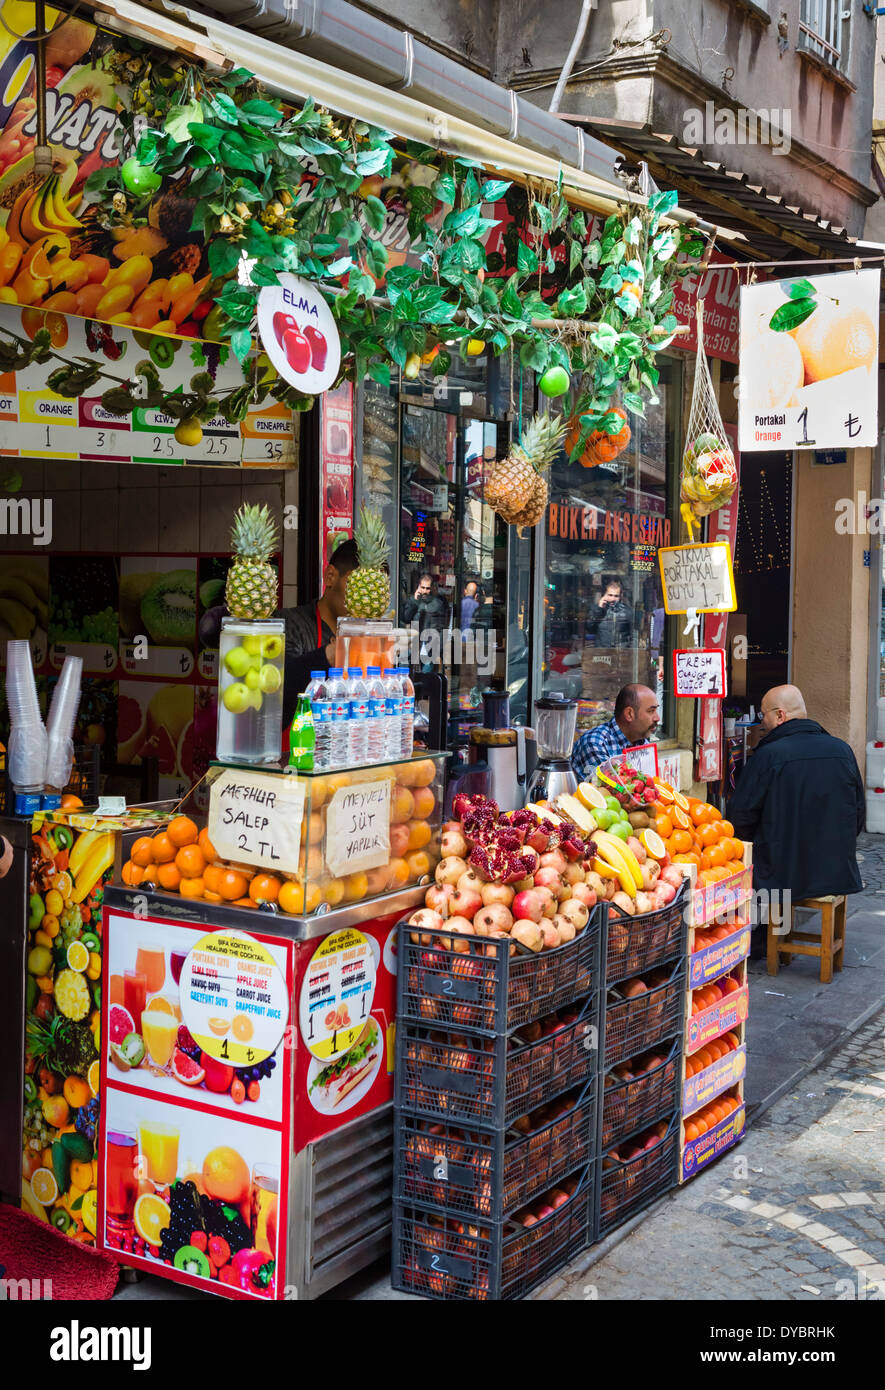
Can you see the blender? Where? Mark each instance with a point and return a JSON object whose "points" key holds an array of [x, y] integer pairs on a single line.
{"points": [[555, 719]]}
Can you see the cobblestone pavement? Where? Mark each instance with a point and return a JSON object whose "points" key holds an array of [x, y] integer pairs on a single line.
{"points": [[795, 1212]]}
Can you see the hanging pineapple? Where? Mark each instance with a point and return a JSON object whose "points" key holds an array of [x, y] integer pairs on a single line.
{"points": [[251, 588], [516, 487], [367, 591]]}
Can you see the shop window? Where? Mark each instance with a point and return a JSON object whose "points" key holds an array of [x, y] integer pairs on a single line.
{"points": [[604, 621]]}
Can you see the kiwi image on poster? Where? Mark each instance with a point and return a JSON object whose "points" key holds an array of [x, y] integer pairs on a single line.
{"points": [[158, 600]]}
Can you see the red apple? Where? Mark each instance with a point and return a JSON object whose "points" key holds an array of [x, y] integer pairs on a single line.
{"points": [[497, 893], [528, 905]]}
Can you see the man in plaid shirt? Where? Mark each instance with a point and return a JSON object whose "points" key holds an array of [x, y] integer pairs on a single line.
{"points": [[636, 717]]}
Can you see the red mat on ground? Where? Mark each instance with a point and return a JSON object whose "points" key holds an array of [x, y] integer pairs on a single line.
{"points": [[30, 1249]]}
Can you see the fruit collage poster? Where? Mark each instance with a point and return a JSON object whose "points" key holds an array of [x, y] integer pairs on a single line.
{"points": [[147, 629], [194, 1150]]}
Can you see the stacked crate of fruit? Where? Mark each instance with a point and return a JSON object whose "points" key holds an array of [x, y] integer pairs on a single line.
{"points": [[496, 1084], [717, 1004], [640, 1060]]}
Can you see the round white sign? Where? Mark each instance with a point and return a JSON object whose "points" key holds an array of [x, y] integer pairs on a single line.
{"points": [[299, 334]]}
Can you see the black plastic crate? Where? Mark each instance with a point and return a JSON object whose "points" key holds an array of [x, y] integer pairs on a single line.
{"points": [[634, 944], [631, 1026], [491, 985], [630, 1104], [444, 1257], [626, 1187], [487, 1174], [442, 1074]]}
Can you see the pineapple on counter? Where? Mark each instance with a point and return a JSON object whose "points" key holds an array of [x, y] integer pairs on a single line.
{"points": [[516, 487], [251, 587], [367, 591]]}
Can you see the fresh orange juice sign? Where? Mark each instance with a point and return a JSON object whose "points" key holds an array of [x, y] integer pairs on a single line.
{"points": [[234, 998]]}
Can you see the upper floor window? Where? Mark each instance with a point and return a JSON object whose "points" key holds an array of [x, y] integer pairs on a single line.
{"points": [[824, 30]]}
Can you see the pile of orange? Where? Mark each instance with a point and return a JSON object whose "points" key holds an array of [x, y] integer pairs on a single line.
{"points": [[708, 936], [711, 994], [710, 1053], [696, 833], [710, 1116]]}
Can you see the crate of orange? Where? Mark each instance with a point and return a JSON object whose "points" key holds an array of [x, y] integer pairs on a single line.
{"points": [[717, 948], [718, 1065], [698, 837], [717, 1008], [711, 1130]]}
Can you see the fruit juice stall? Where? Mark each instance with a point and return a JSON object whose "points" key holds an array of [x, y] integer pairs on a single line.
{"points": [[54, 868], [248, 1027]]}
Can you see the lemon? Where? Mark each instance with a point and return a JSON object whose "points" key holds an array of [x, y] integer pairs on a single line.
{"points": [[653, 844], [591, 796], [189, 433], [152, 1216], [475, 347], [44, 1186], [77, 956], [89, 1210]]}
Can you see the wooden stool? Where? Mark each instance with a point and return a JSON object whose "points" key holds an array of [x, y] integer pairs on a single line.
{"points": [[829, 950]]}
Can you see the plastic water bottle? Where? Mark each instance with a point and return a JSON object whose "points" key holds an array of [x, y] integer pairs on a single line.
{"points": [[358, 728], [408, 712], [393, 713], [377, 726], [301, 738], [321, 709], [339, 717]]}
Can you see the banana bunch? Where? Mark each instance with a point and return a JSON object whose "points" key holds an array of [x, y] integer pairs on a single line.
{"points": [[615, 859], [39, 211], [24, 595], [87, 864]]}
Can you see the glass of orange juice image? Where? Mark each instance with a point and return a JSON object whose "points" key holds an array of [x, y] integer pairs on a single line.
{"points": [[158, 1144], [151, 961], [263, 1208], [159, 1028]]}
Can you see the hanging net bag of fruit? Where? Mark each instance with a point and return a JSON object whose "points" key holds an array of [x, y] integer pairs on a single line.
{"points": [[709, 475]]}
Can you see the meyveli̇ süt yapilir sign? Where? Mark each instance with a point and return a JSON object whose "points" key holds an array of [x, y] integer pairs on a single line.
{"points": [[809, 363]]}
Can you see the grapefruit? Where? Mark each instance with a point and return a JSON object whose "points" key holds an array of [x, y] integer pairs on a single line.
{"points": [[131, 728], [120, 1024], [185, 1069], [834, 339]]}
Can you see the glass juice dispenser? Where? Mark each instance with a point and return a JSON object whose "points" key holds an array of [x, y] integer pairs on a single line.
{"points": [[250, 690]]}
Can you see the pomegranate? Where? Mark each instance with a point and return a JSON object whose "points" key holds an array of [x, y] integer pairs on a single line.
{"points": [[450, 870], [528, 905], [554, 859], [438, 897], [453, 844], [470, 879], [576, 912], [528, 933], [583, 893], [496, 893], [465, 903], [493, 917], [426, 920]]}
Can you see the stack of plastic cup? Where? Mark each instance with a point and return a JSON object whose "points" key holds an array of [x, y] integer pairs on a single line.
{"points": [[60, 724], [27, 739]]}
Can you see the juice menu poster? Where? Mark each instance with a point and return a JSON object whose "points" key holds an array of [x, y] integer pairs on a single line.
{"points": [[193, 1146]]}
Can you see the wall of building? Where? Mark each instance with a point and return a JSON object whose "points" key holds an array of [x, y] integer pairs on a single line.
{"points": [[466, 29], [831, 596]]}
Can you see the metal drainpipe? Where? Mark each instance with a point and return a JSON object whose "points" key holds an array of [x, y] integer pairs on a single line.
{"points": [[336, 32]]}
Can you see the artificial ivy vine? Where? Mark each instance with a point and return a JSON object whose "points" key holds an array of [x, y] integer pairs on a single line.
{"points": [[297, 190]]}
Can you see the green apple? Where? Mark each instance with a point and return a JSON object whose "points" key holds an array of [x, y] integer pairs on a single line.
{"points": [[252, 678], [620, 829], [254, 699], [252, 644], [604, 818], [613, 804], [236, 698], [237, 662], [554, 382], [269, 680], [271, 647]]}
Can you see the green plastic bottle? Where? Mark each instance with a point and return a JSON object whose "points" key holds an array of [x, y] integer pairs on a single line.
{"points": [[302, 739]]}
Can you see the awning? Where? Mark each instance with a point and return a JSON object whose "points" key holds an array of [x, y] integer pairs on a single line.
{"points": [[290, 74], [719, 194]]}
